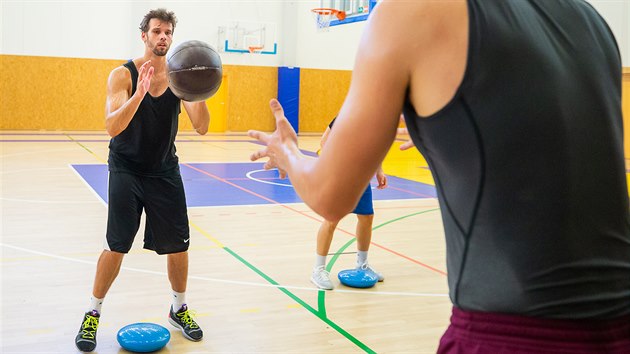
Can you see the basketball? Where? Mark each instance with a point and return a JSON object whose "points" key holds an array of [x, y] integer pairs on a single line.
{"points": [[194, 71]]}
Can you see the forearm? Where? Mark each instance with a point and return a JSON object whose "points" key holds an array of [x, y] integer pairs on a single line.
{"points": [[199, 116], [332, 184], [117, 121], [320, 189]]}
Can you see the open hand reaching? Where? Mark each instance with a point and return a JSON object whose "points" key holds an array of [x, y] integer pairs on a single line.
{"points": [[281, 145]]}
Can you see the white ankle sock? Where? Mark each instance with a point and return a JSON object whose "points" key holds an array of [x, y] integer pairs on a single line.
{"points": [[320, 261], [361, 257], [179, 299], [95, 304]]}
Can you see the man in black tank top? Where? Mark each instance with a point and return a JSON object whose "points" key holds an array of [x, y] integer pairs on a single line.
{"points": [[516, 105], [142, 119]]}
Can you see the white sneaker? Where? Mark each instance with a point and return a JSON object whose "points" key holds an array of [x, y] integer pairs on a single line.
{"points": [[321, 278], [367, 268]]}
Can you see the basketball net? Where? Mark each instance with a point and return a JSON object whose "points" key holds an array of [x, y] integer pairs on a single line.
{"points": [[323, 16], [255, 49]]}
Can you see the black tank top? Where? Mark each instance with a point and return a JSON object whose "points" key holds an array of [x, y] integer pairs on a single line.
{"points": [[147, 146], [529, 166]]}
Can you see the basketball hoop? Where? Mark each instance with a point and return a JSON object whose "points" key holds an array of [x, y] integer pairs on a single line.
{"points": [[254, 49], [323, 16]]}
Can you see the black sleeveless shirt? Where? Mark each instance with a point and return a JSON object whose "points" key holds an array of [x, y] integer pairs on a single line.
{"points": [[529, 165], [147, 146]]}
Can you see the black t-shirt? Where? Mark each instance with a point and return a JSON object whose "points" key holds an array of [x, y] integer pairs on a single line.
{"points": [[147, 146], [529, 165]]}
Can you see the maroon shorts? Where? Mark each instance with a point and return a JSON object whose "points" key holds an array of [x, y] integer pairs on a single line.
{"points": [[482, 333]]}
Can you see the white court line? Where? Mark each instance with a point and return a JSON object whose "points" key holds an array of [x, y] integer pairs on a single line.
{"points": [[48, 201], [249, 175], [89, 187], [266, 285], [43, 151], [31, 170], [42, 201]]}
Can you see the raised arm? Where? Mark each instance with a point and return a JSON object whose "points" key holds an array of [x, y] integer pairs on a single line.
{"points": [[414, 48], [199, 115], [119, 106], [364, 130]]}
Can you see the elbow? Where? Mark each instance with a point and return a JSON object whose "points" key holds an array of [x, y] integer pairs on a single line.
{"points": [[112, 133], [333, 215], [110, 130], [333, 208], [331, 198], [202, 131], [202, 124]]}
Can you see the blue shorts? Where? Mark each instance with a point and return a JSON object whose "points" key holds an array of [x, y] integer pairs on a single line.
{"points": [[365, 206]]}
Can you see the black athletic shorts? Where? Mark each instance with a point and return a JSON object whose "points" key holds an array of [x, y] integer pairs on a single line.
{"points": [[164, 203]]}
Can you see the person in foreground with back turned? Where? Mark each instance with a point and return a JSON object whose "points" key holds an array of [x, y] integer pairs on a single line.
{"points": [[516, 106], [142, 119]]}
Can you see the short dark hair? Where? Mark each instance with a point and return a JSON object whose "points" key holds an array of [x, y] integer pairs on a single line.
{"points": [[162, 15]]}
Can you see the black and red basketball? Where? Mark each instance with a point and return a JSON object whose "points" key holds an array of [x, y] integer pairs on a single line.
{"points": [[194, 71]]}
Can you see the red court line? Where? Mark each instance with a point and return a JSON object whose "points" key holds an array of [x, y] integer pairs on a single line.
{"points": [[410, 259], [249, 179], [250, 192], [388, 186], [309, 216], [410, 192]]}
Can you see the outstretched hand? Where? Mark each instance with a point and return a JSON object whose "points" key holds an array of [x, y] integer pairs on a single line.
{"points": [[281, 145], [144, 78]]}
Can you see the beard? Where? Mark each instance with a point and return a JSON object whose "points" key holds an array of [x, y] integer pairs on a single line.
{"points": [[160, 51]]}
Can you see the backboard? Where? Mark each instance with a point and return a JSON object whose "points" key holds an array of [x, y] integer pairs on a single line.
{"points": [[248, 37], [355, 10]]}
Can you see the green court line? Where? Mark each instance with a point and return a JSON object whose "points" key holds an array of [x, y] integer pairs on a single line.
{"points": [[321, 297], [320, 315], [344, 247]]}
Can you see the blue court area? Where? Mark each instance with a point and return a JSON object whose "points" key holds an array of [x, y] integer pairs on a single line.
{"points": [[222, 184]]}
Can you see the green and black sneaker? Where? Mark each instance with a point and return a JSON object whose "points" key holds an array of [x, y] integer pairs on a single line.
{"points": [[182, 320], [86, 339]]}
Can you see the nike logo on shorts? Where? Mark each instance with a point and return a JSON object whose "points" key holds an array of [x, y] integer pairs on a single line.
{"points": [[186, 240]]}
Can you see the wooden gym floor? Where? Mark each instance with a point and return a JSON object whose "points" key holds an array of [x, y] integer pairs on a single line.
{"points": [[252, 250]]}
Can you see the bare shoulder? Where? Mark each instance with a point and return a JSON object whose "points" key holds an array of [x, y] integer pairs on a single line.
{"points": [[393, 29], [119, 79], [424, 43], [402, 36], [415, 23]]}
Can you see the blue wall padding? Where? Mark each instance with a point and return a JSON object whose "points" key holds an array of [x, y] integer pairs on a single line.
{"points": [[289, 94]]}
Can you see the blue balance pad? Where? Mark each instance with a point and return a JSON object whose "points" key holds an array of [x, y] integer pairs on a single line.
{"points": [[143, 337], [357, 278]]}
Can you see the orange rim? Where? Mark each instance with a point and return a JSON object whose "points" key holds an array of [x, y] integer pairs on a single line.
{"points": [[324, 11], [254, 49]]}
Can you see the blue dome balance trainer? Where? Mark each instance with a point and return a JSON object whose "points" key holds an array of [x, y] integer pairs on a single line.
{"points": [[143, 337], [357, 278]]}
